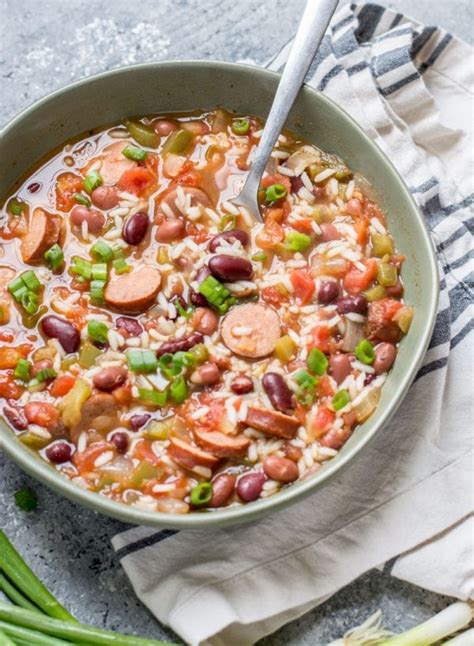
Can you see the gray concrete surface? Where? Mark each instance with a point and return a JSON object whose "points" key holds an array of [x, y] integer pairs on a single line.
{"points": [[45, 44]]}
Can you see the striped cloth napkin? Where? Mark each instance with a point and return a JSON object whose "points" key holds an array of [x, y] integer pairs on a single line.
{"points": [[406, 504]]}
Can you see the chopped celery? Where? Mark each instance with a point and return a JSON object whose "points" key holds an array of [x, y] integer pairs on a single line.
{"points": [[178, 142], [285, 349], [143, 134], [88, 355], [381, 244], [387, 274]]}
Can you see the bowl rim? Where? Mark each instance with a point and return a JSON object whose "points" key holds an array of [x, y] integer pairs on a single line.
{"points": [[22, 456]]}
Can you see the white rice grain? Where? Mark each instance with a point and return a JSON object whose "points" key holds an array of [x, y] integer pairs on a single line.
{"points": [[103, 459], [320, 177]]}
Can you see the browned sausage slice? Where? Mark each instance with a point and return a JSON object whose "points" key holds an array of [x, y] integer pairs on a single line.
{"points": [[225, 446], [43, 231], [99, 412], [134, 292], [189, 456], [169, 197], [251, 330], [114, 163], [272, 423]]}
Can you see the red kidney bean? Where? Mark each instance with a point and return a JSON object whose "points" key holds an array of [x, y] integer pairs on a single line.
{"points": [[120, 440], [57, 328], [354, 207], [105, 197], [206, 375], [135, 228], [129, 325], [278, 392], [170, 230], [329, 232], [357, 304], [296, 184], [34, 187], [183, 344], [110, 378], [250, 485], [241, 385], [205, 320], [293, 453], [328, 291], [197, 299], [230, 268], [16, 417], [59, 452], [280, 469], [339, 367], [95, 220], [228, 236], [163, 127], [395, 291], [369, 379], [385, 355], [137, 421], [223, 486]]}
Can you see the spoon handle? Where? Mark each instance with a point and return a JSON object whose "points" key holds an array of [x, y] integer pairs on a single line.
{"points": [[313, 24]]}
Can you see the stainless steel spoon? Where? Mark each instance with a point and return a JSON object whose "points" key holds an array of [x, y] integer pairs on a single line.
{"points": [[313, 24]]}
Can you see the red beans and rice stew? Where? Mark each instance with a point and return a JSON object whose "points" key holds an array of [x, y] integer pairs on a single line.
{"points": [[160, 347]]}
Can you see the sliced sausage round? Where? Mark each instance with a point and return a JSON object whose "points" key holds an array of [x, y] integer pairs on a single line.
{"points": [[43, 231], [189, 456], [251, 330], [114, 163], [198, 198], [272, 423], [134, 292], [222, 445]]}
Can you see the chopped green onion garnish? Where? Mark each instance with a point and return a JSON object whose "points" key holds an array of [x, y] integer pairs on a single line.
{"points": [[259, 256], [81, 267], [19, 293], [201, 494], [305, 396], [217, 295], [340, 399], [134, 153], [364, 351], [179, 390], [26, 499], [303, 378], [274, 193], [97, 331], [121, 266], [97, 291], [30, 302], [101, 251], [54, 257], [118, 252], [99, 271], [228, 222], [15, 285], [92, 181], [185, 359], [154, 397], [317, 361], [16, 206], [167, 365], [296, 241], [45, 374], [240, 126], [30, 280], [142, 361], [187, 313], [82, 199], [22, 370]]}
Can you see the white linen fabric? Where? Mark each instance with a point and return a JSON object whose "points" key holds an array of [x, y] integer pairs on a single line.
{"points": [[406, 504]]}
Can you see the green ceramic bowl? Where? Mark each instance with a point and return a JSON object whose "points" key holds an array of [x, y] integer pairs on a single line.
{"points": [[181, 86]]}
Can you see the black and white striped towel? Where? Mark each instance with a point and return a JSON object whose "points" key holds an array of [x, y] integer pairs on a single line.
{"points": [[407, 503]]}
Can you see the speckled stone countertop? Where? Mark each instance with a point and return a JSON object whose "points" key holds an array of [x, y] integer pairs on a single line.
{"points": [[45, 44]]}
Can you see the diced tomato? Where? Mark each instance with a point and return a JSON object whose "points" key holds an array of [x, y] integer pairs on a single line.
{"points": [[271, 234], [62, 385], [9, 389], [304, 225], [67, 184], [123, 395], [355, 281], [190, 178], [143, 451], [324, 387], [85, 460], [9, 356], [362, 229], [322, 421], [273, 296], [7, 336], [151, 164], [41, 413], [391, 307], [354, 207], [273, 214], [304, 286], [136, 180], [321, 338], [268, 180]]}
